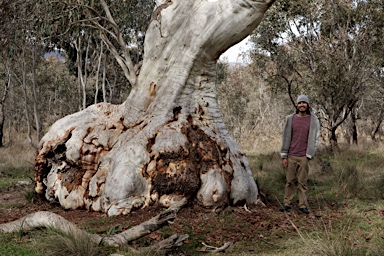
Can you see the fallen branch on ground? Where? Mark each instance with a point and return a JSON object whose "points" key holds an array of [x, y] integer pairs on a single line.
{"points": [[52, 220], [213, 249]]}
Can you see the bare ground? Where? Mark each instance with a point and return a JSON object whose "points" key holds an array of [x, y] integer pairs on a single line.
{"points": [[250, 231]]}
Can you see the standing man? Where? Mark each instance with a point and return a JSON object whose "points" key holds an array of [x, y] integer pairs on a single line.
{"points": [[300, 140]]}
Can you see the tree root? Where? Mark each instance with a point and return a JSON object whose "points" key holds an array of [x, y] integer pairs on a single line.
{"points": [[51, 220]]}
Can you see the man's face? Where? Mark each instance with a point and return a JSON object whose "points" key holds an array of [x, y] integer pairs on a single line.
{"points": [[302, 106]]}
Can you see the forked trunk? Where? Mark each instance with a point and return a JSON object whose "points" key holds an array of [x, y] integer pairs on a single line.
{"points": [[167, 140]]}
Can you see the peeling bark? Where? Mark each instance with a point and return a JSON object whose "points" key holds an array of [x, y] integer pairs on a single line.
{"points": [[167, 140]]}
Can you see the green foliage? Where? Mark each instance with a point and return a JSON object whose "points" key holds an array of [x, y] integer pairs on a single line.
{"points": [[353, 174], [269, 175], [333, 244], [248, 107], [221, 71], [347, 181], [233, 98], [30, 195], [344, 238], [11, 175], [113, 230], [47, 89], [11, 245], [62, 21]]}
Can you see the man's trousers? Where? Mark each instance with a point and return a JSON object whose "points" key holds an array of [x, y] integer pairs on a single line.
{"points": [[297, 169]]}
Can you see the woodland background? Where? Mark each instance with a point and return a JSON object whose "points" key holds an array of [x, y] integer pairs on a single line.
{"points": [[54, 63]]}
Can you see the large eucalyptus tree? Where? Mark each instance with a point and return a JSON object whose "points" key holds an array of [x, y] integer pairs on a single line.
{"points": [[167, 141]]}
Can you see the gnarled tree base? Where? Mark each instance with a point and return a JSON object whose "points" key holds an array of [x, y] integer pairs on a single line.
{"points": [[93, 160]]}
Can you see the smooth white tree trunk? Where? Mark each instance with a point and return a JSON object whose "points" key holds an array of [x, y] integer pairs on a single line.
{"points": [[167, 140]]}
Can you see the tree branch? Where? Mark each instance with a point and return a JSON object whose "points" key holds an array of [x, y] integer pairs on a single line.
{"points": [[127, 57], [124, 59], [53, 220], [213, 249], [147, 227]]}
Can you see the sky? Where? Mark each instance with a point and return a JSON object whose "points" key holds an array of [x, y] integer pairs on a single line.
{"points": [[232, 54]]}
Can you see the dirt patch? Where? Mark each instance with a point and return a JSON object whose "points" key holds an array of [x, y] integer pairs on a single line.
{"points": [[248, 231]]}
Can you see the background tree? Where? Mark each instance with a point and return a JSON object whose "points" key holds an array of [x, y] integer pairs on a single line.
{"points": [[17, 38], [33, 29], [7, 84], [234, 92], [7, 14], [84, 29], [325, 49], [262, 115]]}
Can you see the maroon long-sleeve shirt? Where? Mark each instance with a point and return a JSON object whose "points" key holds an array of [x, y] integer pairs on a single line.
{"points": [[300, 131]]}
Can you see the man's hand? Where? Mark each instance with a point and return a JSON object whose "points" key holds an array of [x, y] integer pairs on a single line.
{"points": [[285, 162]]}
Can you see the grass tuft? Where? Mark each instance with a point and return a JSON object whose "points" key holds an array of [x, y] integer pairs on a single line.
{"points": [[69, 243], [347, 181], [333, 241], [269, 176]]}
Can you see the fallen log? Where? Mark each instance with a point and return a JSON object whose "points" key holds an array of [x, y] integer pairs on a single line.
{"points": [[45, 219]]}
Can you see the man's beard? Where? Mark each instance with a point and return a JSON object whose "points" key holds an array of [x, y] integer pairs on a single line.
{"points": [[303, 111]]}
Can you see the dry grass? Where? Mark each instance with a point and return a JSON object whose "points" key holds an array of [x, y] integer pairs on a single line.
{"points": [[16, 163], [17, 151], [258, 142], [71, 243], [341, 177]]}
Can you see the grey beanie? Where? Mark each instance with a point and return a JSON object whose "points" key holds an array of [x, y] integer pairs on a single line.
{"points": [[302, 98]]}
